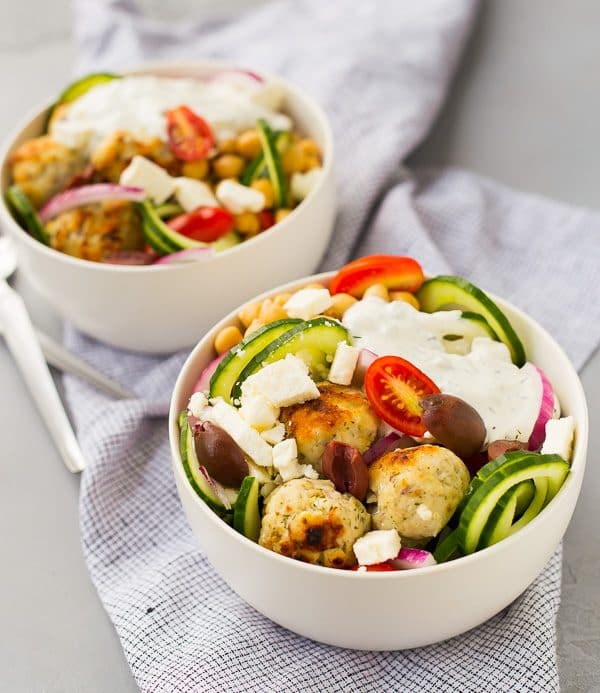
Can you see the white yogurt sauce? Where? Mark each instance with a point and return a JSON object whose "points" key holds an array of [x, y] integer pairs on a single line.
{"points": [[138, 104], [506, 397]]}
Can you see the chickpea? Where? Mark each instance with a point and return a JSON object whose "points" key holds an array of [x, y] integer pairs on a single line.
{"points": [[227, 146], [379, 290], [310, 162], [249, 313], [407, 297], [247, 223], [195, 169], [282, 299], [228, 166], [265, 186], [309, 147], [339, 305], [314, 285], [292, 160], [281, 214], [248, 144], [256, 324], [227, 338], [270, 311]]}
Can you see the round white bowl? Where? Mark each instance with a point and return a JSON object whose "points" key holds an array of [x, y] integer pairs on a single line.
{"points": [[159, 309], [399, 610]]}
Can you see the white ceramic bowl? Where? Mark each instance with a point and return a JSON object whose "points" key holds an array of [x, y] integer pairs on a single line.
{"points": [[164, 308], [388, 611]]}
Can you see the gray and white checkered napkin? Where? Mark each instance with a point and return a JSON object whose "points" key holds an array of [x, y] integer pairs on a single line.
{"points": [[380, 69]]}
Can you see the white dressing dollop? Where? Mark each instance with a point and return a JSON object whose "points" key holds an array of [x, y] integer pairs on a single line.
{"points": [[138, 104], [506, 397]]}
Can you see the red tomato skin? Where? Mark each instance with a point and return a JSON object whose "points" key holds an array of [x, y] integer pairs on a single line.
{"points": [[377, 568], [403, 370], [266, 219], [190, 136], [395, 272], [205, 224]]}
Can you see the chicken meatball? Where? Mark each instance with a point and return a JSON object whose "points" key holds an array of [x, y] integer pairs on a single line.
{"points": [[309, 520], [114, 153], [92, 231], [42, 167], [340, 413], [417, 489]]}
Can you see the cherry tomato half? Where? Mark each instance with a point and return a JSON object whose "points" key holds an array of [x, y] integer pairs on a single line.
{"points": [[190, 136], [266, 219], [394, 388], [376, 568], [398, 273], [206, 224]]}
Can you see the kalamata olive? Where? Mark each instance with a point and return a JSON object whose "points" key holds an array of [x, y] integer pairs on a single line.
{"points": [[454, 423], [499, 447], [129, 257], [220, 454], [344, 465]]}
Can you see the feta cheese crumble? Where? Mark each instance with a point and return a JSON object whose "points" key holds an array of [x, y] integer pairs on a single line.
{"points": [[377, 546], [238, 198], [145, 174], [301, 184], [197, 404], [343, 365], [559, 437], [306, 303], [192, 194], [258, 411], [274, 435], [283, 382]]}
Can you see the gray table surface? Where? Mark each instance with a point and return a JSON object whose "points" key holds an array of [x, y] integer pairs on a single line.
{"points": [[524, 109]]}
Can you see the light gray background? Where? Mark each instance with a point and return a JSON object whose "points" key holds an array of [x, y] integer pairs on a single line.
{"points": [[524, 109]]}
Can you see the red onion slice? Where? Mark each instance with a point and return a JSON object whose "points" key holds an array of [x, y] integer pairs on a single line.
{"points": [[216, 488], [203, 382], [392, 441], [409, 559], [546, 411], [86, 194], [238, 77], [184, 256], [365, 359]]}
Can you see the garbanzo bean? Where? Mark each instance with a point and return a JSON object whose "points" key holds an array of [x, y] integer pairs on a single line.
{"points": [[310, 162], [407, 297], [227, 146], [292, 160], [282, 299], [195, 169], [228, 166], [265, 186], [379, 290], [248, 144], [271, 311], [249, 313], [309, 147], [339, 305], [253, 326], [281, 214], [247, 223], [314, 285], [227, 338]]}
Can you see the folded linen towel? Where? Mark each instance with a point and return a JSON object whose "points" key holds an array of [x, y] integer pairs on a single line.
{"points": [[381, 70]]}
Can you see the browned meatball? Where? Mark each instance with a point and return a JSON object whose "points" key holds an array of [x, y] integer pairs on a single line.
{"points": [[340, 413], [42, 167], [94, 230], [114, 153], [309, 520], [418, 490]]}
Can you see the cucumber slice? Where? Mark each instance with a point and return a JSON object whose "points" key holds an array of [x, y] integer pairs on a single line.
{"points": [[481, 327], [228, 371], [449, 292], [168, 209], [273, 163], [192, 465], [25, 214], [163, 239], [501, 519], [535, 506], [314, 341], [246, 513], [227, 241], [447, 548], [77, 89], [513, 468], [257, 168]]}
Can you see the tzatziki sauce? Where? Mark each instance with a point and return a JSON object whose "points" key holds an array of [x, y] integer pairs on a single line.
{"points": [[506, 397], [138, 103]]}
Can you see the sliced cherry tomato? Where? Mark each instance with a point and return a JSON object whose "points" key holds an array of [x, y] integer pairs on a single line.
{"points": [[398, 273], [376, 568], [394, 388], [266, 219], [190, 136], [205, 224]]}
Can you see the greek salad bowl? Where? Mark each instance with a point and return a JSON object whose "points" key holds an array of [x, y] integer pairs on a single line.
{"points": [[381, 460], [145, 205]]}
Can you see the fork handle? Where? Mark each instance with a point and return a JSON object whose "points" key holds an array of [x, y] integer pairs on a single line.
{"points": [[22, 342]]}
